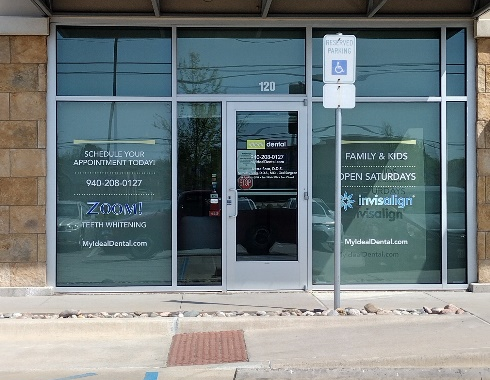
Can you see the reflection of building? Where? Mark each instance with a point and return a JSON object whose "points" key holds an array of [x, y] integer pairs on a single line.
{"points": [[421, 95]]}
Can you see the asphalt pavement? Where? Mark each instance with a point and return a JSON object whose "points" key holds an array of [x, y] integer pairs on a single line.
{"points": [[278, 347]]}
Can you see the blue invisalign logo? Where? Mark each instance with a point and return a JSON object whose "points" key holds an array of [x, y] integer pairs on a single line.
{"points": [[346, 201]]}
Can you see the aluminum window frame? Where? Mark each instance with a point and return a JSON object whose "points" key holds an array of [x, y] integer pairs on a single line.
{"points": [[309, 24]]}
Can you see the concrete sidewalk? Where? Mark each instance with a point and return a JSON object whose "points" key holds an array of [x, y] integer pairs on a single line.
{"points": [[301, 346]]}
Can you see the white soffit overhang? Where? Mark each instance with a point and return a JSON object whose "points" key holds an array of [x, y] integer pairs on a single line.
{"points": [[482, 26], [22, 17], [24, 26]]}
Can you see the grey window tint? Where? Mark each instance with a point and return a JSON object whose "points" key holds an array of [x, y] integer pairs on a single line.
{"points": [[114, 188], [389, 62], [113, 61], [456, 193], [456, 62], [391, 179], [200, 199], [241, 61]]}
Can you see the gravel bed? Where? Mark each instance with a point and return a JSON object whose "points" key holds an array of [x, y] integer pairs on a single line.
{"points": [[368, 310]]}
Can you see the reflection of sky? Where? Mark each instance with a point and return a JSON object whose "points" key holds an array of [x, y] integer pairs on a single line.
{"points": [[143, 66], [374, 119], [456, 130], [389, 63], [261, 125], [244, 62], [101, 50], [131, 121], [455, 51]]}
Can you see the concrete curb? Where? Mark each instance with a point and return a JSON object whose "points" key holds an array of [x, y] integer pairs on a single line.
{"points": [[45, 329], [456, 360], [313, 322], [363, 373]]}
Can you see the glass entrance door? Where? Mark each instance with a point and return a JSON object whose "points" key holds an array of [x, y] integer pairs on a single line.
{"points": [[266, 205]]}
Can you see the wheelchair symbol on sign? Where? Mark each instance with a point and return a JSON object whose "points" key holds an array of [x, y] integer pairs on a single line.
{"points": [[339, 67]]}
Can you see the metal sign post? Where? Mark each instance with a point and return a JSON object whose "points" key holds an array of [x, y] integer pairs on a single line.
{"points": [[338, 219], [339, 75]]}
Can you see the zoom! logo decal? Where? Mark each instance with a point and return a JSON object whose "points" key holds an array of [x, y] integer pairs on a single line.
{"points": [[116, 208]]}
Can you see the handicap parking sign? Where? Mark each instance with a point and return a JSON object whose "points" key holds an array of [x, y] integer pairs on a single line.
{"points": [[339, 59], [339, 67]]}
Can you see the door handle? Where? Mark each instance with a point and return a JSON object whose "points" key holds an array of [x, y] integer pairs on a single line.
{"points": [[233, 190]]}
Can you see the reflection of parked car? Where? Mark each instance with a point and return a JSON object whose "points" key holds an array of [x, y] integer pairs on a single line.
{"points": [[195, 203], [246, 204], [417, 226], [423, 222], [196, 228], [69, 218], [152, 229], [256, 229], [323, 221]]}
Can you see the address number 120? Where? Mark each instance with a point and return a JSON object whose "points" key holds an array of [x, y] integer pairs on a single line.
{"points": [[267, 86]]}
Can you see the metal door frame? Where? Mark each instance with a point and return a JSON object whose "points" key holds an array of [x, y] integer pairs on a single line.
{"points": [[264, 275]]}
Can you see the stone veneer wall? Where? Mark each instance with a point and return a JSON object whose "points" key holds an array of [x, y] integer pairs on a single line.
{"points": [[23, 161], [483, 159]]}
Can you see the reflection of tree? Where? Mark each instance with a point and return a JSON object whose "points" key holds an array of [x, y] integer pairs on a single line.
{"points": [[199, 154], [197, 79], [422, 157], [67, 182], [199, 126], [387, 130]]}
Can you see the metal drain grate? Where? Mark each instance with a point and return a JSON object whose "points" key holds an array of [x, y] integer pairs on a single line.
{"points": [[213, 347]]}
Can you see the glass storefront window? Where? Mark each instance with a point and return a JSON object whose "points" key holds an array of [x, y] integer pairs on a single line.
{"points": [[241, 61], [113, 193], [114, 160], [199, 194], [456, 193], [456, 61], [395, 62], [113, 61], [390, 192]]}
